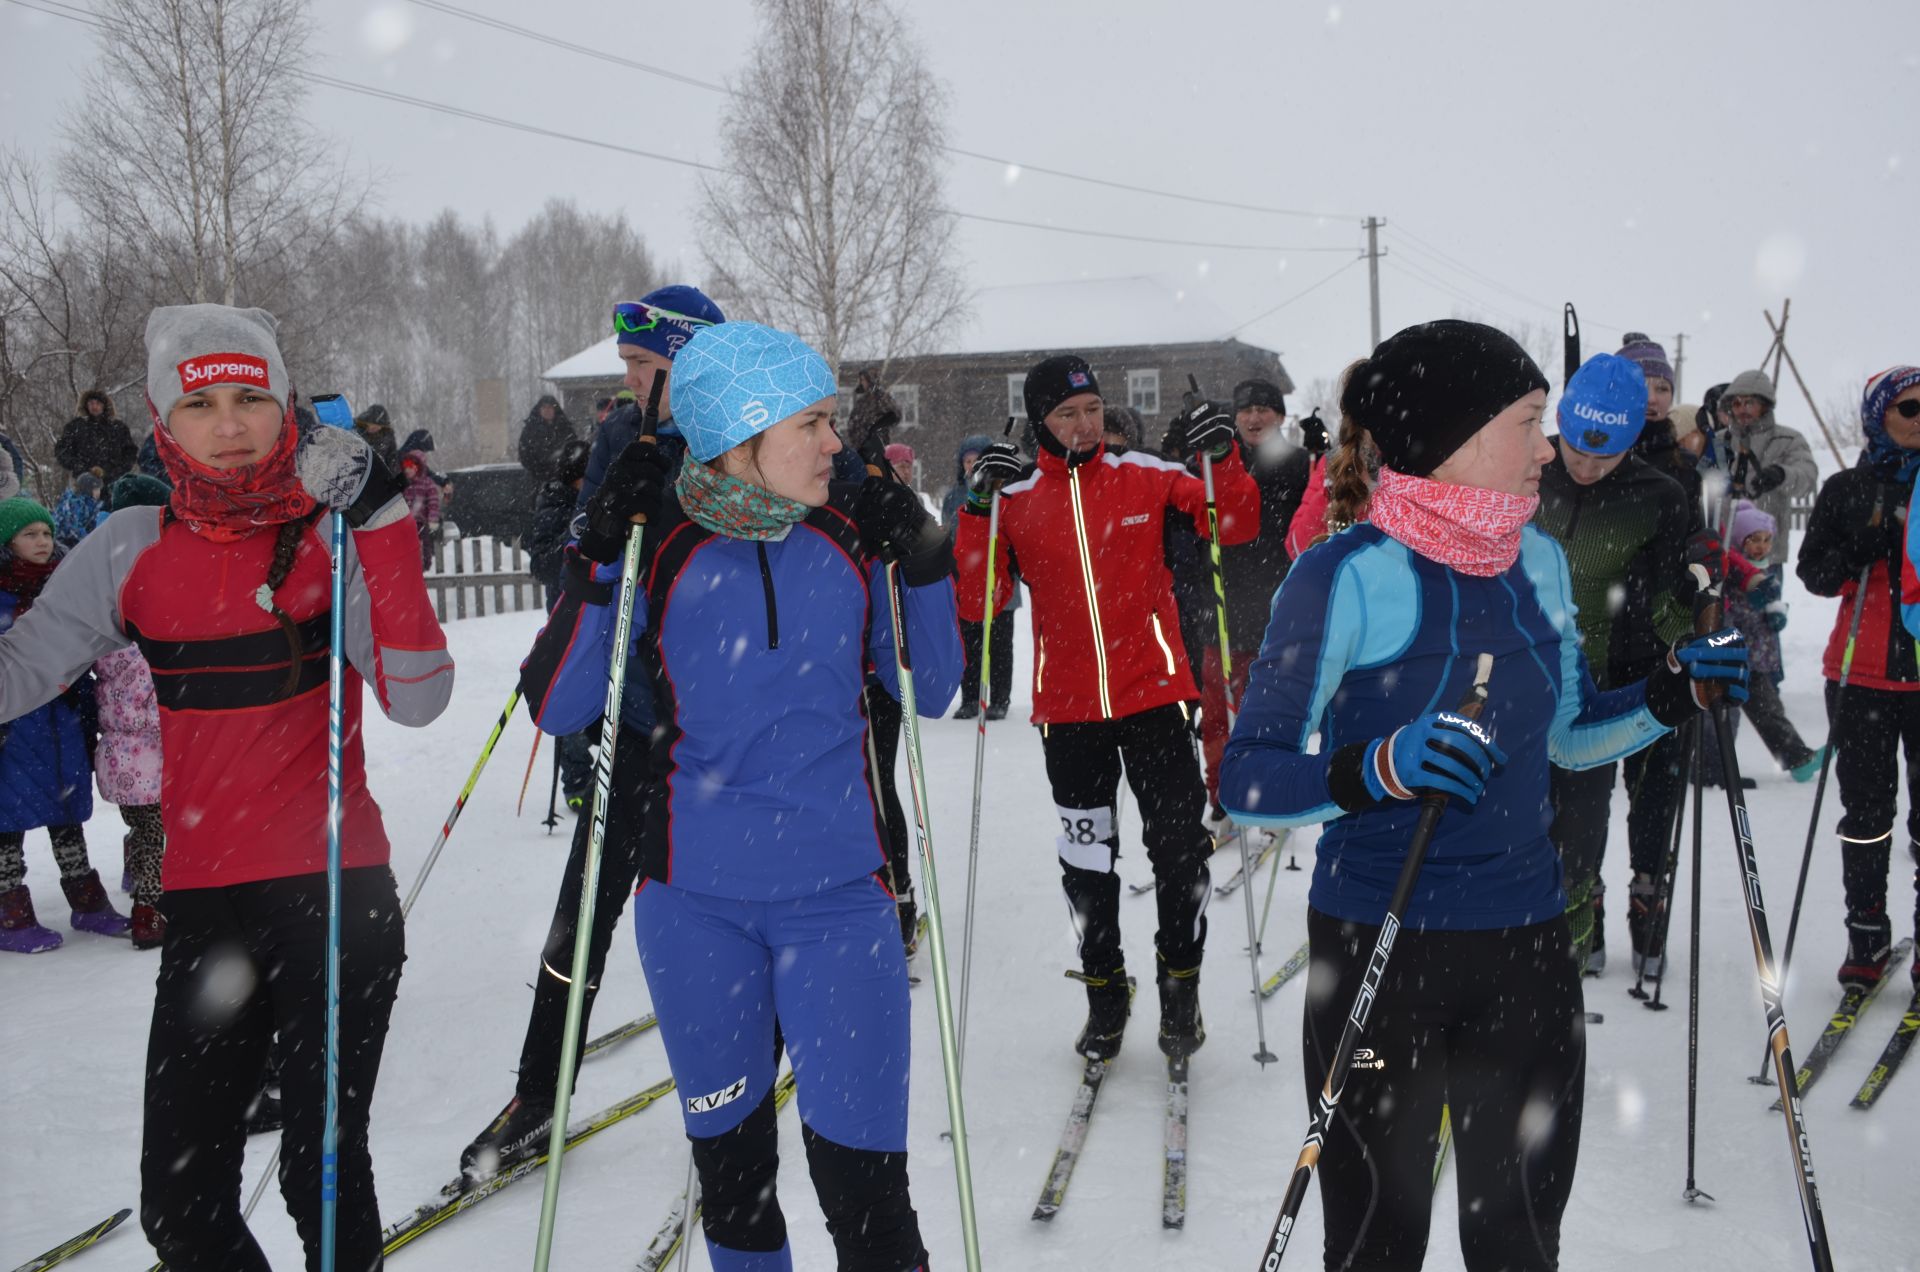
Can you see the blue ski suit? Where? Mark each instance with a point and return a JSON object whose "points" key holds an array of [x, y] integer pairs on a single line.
{"points": [[763, 912]]}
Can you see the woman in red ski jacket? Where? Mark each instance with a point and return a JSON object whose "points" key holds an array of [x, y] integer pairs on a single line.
{"points": [[1110, 674], [227, 593]]}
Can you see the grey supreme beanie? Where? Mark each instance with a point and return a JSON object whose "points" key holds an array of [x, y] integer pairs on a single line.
{"points": [[194, 347]]}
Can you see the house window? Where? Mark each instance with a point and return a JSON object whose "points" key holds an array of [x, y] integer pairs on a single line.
{"points": [[1143, 391], [1017, 396], [907, 398]]}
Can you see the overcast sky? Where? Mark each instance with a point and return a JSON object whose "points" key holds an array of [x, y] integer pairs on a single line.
{"points": [[1667, 166]]}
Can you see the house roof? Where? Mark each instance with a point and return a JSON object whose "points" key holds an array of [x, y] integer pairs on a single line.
{"points": [[1089, 313]]}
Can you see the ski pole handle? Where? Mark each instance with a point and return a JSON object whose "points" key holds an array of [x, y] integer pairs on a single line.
{"points": [[650, 423]]}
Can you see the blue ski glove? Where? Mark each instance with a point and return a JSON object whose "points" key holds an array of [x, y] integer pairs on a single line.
{"points": [[1677, 690], [1440, 752], [1718, 657]]}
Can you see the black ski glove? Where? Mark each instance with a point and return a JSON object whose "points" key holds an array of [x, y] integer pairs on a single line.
{"points": [[895, 526], [633, 488], [999, 464], [1772, 477], [1209, 428], [1313, 434]]}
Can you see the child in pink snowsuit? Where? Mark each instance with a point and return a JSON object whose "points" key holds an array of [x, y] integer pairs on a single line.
{"points": [[127, 771]]}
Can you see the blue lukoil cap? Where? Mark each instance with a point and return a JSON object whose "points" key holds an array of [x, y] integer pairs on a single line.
{"points": [[735, 379], [1604, 407]]}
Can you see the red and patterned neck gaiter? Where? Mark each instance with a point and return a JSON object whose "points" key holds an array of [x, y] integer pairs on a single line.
{"points": [[225, 504], [1464, 528]]}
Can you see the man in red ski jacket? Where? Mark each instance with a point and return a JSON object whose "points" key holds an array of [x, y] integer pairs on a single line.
{"points": [[1110, 675]]}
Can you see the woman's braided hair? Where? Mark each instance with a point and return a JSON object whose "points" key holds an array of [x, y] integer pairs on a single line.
{"points": [[286, 547], [1350, 465]]}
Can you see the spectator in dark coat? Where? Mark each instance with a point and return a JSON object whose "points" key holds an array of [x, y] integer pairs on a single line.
{"points": [[17, 461], [545, 433], [96, 440], [376, 426], [150, 465]]}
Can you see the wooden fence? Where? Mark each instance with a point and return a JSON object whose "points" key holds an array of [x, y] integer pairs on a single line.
{"points": [[466, 572]]}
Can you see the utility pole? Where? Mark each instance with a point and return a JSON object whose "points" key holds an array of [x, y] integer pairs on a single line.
{"points": [[1679, 363], [1374, 254]]}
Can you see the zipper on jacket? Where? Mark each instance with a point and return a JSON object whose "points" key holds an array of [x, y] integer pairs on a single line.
{"points": [[766, 584], [1093, 600]]}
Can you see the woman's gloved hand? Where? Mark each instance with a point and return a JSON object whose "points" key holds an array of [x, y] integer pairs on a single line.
{"points": [[1441, 752]]}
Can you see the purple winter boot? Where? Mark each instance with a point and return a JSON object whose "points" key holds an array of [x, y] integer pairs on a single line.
{"points": [[20, 931], [92, 912]]}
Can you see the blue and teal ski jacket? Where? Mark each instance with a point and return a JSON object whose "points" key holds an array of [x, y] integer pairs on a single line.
{"points": [[756, 653], [1366, 635]]}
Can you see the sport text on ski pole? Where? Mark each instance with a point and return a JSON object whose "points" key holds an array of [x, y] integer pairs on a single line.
{"points": [[1432, 805], [590, 868]]}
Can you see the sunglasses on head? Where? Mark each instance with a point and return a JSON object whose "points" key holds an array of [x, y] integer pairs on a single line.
{"points": [[635, 316], [1909, 409]]}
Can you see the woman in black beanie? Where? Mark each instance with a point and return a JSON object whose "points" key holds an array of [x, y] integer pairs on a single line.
{"points": [[1373, 639]]}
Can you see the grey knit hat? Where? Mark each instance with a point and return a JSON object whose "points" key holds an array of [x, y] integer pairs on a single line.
{"points": [[1752, 384], [194, 347]]}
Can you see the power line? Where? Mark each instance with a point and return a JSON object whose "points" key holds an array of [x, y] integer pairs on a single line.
{"points": [[585, 50], [1303, 292], [461, 112], [1441, 259]]}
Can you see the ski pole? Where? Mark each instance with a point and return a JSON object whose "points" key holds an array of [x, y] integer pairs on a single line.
{"points": [[590, 868], [1432, 805], [686, 1220], [1708, 620], [526, 779], [1273, 877], [936, 929], [552, 818], [979, 760], [1693, 1191], [460, 801], [1826, 763], [1263, 1057], [1663, 888], [336, 745]]}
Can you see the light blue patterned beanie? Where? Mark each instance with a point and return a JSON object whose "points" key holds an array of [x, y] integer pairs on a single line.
{"points": [[734, 380]]}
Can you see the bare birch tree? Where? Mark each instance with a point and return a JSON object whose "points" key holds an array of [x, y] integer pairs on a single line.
{"points": [[189, 139], [829, 220]]}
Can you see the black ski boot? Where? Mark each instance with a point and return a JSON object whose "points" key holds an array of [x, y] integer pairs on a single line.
{"points": [[1109, 1000], [1869, 946], [518, 1133], [1649, 947], [1181, 1029], [909, 924]]}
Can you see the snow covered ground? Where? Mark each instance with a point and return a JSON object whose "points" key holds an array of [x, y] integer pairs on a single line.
{"points": [[76, 1022]]}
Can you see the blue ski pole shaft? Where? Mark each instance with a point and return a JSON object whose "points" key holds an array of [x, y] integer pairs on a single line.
{"points": [[336, 743]]}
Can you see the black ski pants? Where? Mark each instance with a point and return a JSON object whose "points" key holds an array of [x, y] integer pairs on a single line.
{"points": [[1874, 728], [1083, 765], [239, 965], [1000, 674], [619, 869], [883, 729], [1488, 1026]]}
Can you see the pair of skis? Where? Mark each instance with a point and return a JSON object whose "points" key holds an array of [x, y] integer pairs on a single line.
{"points": [[75, 1244], [1173, 1170], [1854, 1002]]}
